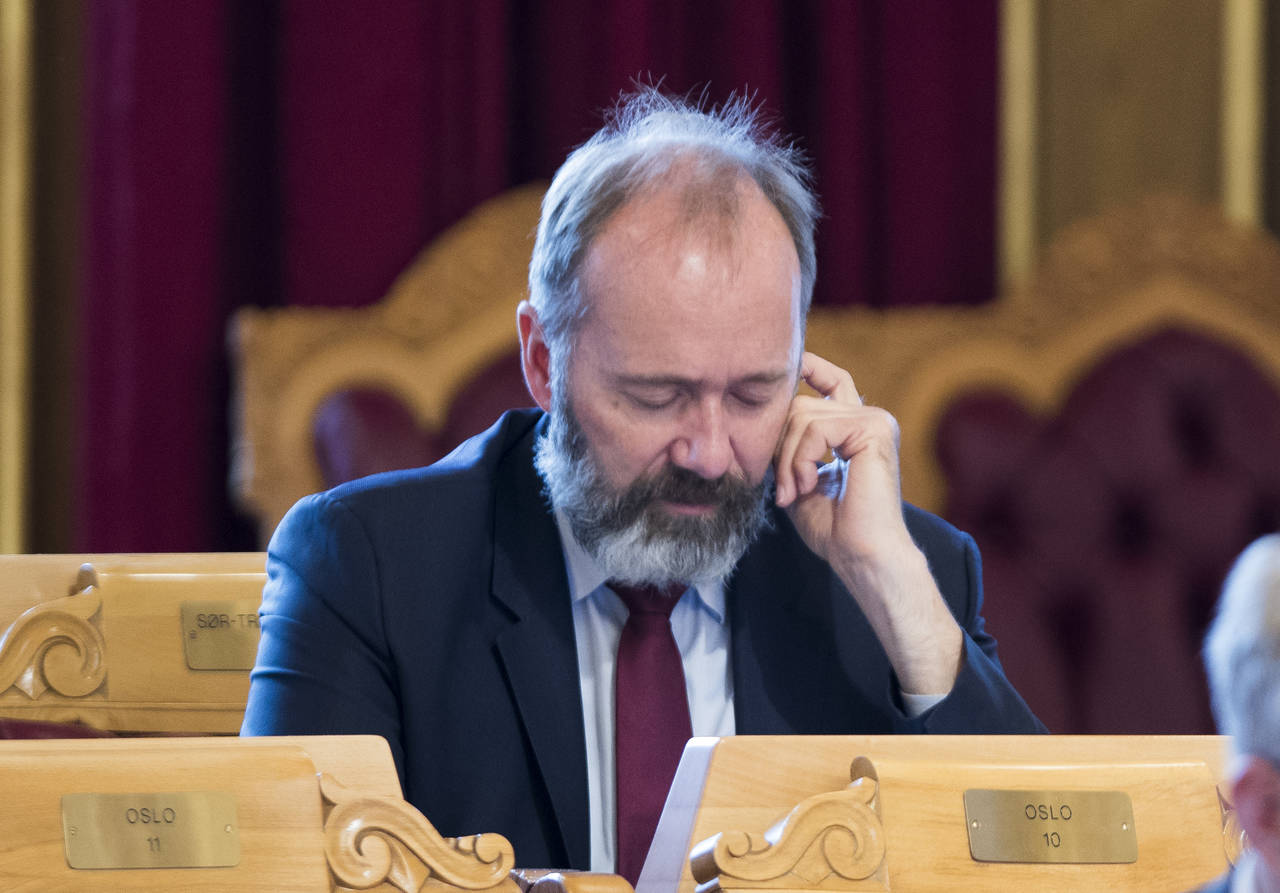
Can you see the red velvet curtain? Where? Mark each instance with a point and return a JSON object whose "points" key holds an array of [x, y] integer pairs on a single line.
{"points": [[295, 152]]}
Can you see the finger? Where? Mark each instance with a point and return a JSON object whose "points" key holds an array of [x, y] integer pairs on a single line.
{"points": [[810, 453], [783, 473], [800, 431], [808, 437], [828, 379], [784, 485]]}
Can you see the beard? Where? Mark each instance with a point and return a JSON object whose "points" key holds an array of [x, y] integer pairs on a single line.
{"points": [[628, 532]]}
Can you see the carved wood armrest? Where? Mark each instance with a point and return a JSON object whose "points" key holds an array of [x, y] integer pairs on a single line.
{"points": [[54, 645], [833, 841], [372, 840]]}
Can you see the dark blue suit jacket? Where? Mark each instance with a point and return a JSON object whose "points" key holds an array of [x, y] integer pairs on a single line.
{"points": [[431, 606]]}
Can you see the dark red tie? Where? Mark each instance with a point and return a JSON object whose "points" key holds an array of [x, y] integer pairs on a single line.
{"points": [[651, 719]]}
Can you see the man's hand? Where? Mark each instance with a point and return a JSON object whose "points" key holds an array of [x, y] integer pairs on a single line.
{"points": [[849, 511]]}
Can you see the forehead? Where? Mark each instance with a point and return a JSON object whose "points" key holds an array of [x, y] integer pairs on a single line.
{"points": [[676, 266]]}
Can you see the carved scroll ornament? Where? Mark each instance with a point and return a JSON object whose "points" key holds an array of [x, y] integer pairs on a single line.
{"points": [[833, 841], [372, 840], [55, 645]]}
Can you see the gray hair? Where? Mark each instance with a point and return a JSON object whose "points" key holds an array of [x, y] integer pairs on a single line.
{"points": [[643, 138], [1242, 652]]}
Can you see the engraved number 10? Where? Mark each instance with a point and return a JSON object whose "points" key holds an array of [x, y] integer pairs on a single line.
{"points": [[1053, 839]]}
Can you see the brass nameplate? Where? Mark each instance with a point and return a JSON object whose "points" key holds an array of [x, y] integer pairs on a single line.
{"points": [[188, 829], [1050, 826], [220, 635]]}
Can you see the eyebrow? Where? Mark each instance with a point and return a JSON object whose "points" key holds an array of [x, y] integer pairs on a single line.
{"points": [[678, 381]]}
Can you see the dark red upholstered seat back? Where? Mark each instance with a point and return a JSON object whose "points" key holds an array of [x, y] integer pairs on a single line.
{"points": [[360, 431], [1106, 530]]}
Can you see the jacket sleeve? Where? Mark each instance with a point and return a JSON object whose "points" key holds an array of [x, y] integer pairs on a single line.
{"points": [[323, 664], [982, 699]]}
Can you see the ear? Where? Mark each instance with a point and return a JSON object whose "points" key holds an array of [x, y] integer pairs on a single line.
{"points": [[535, 355], [1256, 796]]}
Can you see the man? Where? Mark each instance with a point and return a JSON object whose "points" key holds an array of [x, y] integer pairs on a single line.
{"points": [[1242, 657], [472, 612]]}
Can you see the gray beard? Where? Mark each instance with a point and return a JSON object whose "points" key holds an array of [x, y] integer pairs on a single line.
{"points": [[629, 534]]}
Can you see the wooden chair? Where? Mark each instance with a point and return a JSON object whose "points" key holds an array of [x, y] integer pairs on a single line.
{"points": [[129, 643], [1107, 432], [446, 321]]}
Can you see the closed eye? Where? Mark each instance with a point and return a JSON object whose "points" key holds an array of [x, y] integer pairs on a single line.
{"points": [[654, 400], [754, 396], [751, 393]]}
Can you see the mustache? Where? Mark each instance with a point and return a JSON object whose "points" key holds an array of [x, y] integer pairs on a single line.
{"points": [[731, 496], [680, 485]]}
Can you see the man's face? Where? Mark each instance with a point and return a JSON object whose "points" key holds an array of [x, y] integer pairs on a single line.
{"points": [[677, 384]]}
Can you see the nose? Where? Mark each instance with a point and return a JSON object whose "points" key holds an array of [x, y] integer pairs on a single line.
{"points": [[704, 446]]}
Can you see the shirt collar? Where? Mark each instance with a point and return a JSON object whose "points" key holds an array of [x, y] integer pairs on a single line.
{"points": [[586, 576]]}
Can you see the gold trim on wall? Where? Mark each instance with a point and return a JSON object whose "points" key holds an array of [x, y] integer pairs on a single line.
{"points": [[15, 264], [1243, 31], [1017, 186], [1103, 105]]}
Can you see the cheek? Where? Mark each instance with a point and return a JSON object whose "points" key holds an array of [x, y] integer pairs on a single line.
{"points": [[757, 443], [755, 457], [623, 448]]}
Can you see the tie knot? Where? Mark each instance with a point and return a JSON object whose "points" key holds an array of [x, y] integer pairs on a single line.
{"points": [[649, 599]]}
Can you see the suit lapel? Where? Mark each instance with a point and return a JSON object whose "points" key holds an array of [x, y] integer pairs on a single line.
{"points": [[537, 649], [758, 606], [780, 635]]}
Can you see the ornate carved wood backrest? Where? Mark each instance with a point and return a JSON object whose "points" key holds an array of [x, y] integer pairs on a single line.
{"points": [[1103, 284], [129, 643], [447, 317]]}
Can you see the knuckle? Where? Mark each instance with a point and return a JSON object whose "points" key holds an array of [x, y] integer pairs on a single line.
{"points": [[883, 419]]}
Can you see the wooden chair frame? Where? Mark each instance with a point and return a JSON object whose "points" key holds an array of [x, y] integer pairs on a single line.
{"points": [[450, 314], [1105, 283], [98, 640]]}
